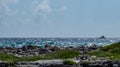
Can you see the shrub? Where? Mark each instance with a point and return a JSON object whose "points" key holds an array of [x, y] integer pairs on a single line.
{"points": [[115, 50], [111, 52], [99, 53], [7, 57], [64, 54], [110, 47]]}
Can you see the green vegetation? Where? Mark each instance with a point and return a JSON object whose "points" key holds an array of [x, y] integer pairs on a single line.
{"points": [[69, 62], [110, 47], [62, 54], [111, 52], [99, 53], [115, 50], [11, 58], [7, 57]]}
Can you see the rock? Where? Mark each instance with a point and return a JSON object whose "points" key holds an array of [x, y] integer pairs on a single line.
{"points": [[81, 48], [3, 64], [116, 65], [93, 47], [102, 37], [48, 46], [29, 47], [55, 48]]}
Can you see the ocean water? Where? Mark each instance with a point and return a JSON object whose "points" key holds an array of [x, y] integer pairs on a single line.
{"points": [[60, 42]]}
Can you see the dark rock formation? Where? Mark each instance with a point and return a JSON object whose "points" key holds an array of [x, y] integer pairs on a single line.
{"points": [[48, 46], [102, 37]]}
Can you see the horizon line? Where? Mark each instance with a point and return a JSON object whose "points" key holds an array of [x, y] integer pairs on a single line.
{"points": [[60, 37]]}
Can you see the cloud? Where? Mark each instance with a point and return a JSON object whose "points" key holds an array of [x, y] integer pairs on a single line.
{"points": [[44, 7], [6, 11], [41, 10], [5, 6], [37, 11]]}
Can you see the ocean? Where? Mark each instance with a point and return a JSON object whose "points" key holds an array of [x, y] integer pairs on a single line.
{"points": [[59, 42]]}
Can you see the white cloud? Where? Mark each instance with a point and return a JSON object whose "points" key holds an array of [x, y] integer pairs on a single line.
{"points": [[5, 6], [44, 7], [6, 12], [41, 10]]}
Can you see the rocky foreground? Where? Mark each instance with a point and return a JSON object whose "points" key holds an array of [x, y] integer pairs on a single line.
{"points": [[36, 50], [83, 60]]}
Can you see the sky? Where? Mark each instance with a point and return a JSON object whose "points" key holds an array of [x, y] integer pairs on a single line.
{"points": [[59, 18]]}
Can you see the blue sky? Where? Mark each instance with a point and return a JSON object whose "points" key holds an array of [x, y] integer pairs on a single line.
{"points": [[59, 18]]}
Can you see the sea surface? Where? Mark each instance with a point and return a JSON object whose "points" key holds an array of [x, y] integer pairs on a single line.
{"points": [[60, 42]]}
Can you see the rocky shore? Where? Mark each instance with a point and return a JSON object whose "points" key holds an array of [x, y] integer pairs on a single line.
{"points": [[36, 50], [83, 60]]}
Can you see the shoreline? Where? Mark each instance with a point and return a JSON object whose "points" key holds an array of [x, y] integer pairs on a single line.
{"points": [[30, 52], [36, 51]]}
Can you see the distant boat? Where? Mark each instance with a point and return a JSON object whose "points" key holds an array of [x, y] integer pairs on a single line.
{"points": [[102, 37]]}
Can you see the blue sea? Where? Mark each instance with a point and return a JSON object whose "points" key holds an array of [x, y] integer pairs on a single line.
{"points": [[60, 42]]}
